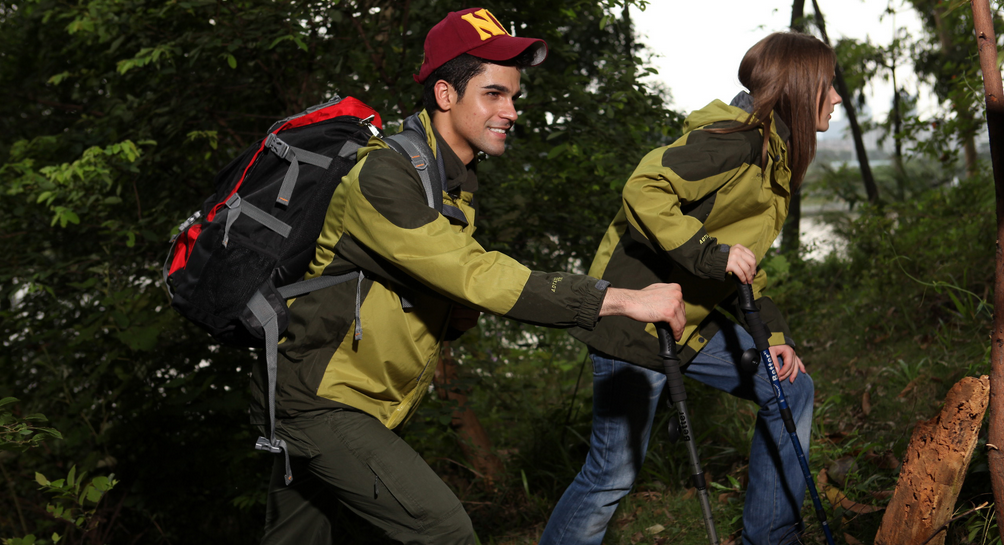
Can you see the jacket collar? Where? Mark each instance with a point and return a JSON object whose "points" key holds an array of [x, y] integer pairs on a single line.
{"points": [[745, 101]]}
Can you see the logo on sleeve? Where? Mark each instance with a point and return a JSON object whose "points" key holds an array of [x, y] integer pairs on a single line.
{"points": [[485, 23]]}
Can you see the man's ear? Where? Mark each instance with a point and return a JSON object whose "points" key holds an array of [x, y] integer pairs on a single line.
{"points": [[446, 95]]}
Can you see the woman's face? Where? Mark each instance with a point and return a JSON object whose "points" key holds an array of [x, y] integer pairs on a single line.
{"points": [[830, 99]]}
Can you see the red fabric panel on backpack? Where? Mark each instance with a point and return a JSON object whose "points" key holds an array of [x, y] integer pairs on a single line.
{"points": [[346, 106], [183, 247]]}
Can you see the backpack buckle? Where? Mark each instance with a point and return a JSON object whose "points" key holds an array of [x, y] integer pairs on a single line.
{"points": [[187, 223], [277, 146], [265, 445], [366, 123]]}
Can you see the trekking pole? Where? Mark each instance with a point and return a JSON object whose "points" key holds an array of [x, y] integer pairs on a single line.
{"points": [[678, 398], [761, 339]]}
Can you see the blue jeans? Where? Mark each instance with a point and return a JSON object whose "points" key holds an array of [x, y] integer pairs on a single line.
{"points": [[625, 397]]}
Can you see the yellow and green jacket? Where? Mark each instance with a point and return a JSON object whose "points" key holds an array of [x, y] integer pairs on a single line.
{"points": [[378, 221], [683, 206]]}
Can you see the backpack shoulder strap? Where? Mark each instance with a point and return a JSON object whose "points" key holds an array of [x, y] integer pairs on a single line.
{"points": [[411, 143]]}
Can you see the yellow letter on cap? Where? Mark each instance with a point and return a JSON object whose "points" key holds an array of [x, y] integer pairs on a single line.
{"points": [[484, 23]]}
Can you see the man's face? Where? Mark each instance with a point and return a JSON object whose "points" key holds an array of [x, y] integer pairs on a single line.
{"points": [[830, 99], [482, 118]]}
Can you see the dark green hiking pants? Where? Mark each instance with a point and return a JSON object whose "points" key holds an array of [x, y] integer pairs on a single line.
{"points": [[351, 458]]}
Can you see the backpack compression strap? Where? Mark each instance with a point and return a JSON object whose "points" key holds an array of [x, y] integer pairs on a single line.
{"points": [[266, 315], [295, 156]]}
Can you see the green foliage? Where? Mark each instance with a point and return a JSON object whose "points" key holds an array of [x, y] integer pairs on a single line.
{"points": [[116, 116], [19, 433], [901, 182], [73, 501]]}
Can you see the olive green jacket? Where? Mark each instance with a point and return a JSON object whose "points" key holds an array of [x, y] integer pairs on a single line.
{"points": [[378, 221], [682, 207]]}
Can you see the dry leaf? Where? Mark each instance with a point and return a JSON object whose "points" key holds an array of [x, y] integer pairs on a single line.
{"points": [[648, 495], [866, 403], [652, 530], [840, 468], [838, 498], [824, 478], [851, 541], [882, 494], [909, 387], [724, 496]]}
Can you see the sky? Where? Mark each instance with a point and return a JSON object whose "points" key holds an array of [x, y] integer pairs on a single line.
{"points": [[700, 43]]}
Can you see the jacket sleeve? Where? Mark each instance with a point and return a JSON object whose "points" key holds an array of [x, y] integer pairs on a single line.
{"points": [[672, 191], [387, 213]]}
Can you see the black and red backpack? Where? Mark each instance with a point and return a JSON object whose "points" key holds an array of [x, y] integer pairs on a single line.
{"points": [[234, 263]]}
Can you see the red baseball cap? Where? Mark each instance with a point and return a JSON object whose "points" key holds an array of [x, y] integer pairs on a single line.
{"points": [[478, 32]]}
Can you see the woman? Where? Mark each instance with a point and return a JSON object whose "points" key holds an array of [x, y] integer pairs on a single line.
{"points": [[709, 204]]}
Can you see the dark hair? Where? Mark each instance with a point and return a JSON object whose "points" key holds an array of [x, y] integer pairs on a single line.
{"points": [[459, 71], [790, 74]]}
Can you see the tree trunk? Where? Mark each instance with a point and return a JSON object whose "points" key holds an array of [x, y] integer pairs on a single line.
{"points": [[798, 15], [859, 144], [935, 467], [987, 43], [471, 435], [964, 114], [791, 233]]}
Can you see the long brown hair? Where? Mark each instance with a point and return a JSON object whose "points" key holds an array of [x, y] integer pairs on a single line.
{"points": [[789, 73]]}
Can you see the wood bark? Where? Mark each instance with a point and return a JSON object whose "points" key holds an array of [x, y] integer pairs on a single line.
{"points": [[852, 117], [987, 43], [935, 467], [474, 441]]}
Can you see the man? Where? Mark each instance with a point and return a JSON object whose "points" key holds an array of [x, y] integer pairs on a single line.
{"points": [[356, 361]]}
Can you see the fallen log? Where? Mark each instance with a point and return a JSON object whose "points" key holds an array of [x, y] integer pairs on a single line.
{"points": [[935, 466]]}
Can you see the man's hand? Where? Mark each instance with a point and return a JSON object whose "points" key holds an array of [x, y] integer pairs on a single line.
{"points": [[742, 263], [655, 303], [791, 363], [463, 318]]}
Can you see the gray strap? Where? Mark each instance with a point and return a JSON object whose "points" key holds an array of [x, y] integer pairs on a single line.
{"points": [[295, 156], [269, 321], [311, 158], [288, 182], [359, 302], [455, 213], [349, 149], [297, 289], [407, 147], [415, 131], [237, 206]]}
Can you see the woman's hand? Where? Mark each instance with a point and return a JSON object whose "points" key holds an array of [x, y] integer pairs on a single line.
{"points": [[742, 263], [791, 364]]}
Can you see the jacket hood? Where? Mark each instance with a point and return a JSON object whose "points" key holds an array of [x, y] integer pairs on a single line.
{"points": [[718, 111], [714, 112]]}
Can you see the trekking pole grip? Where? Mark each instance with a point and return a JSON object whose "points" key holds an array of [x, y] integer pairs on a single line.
{"points": [[757, 329], [670, 363]]}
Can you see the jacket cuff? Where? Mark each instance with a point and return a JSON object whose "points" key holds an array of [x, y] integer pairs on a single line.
{"points": [[717, 261], [589, 311]]}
